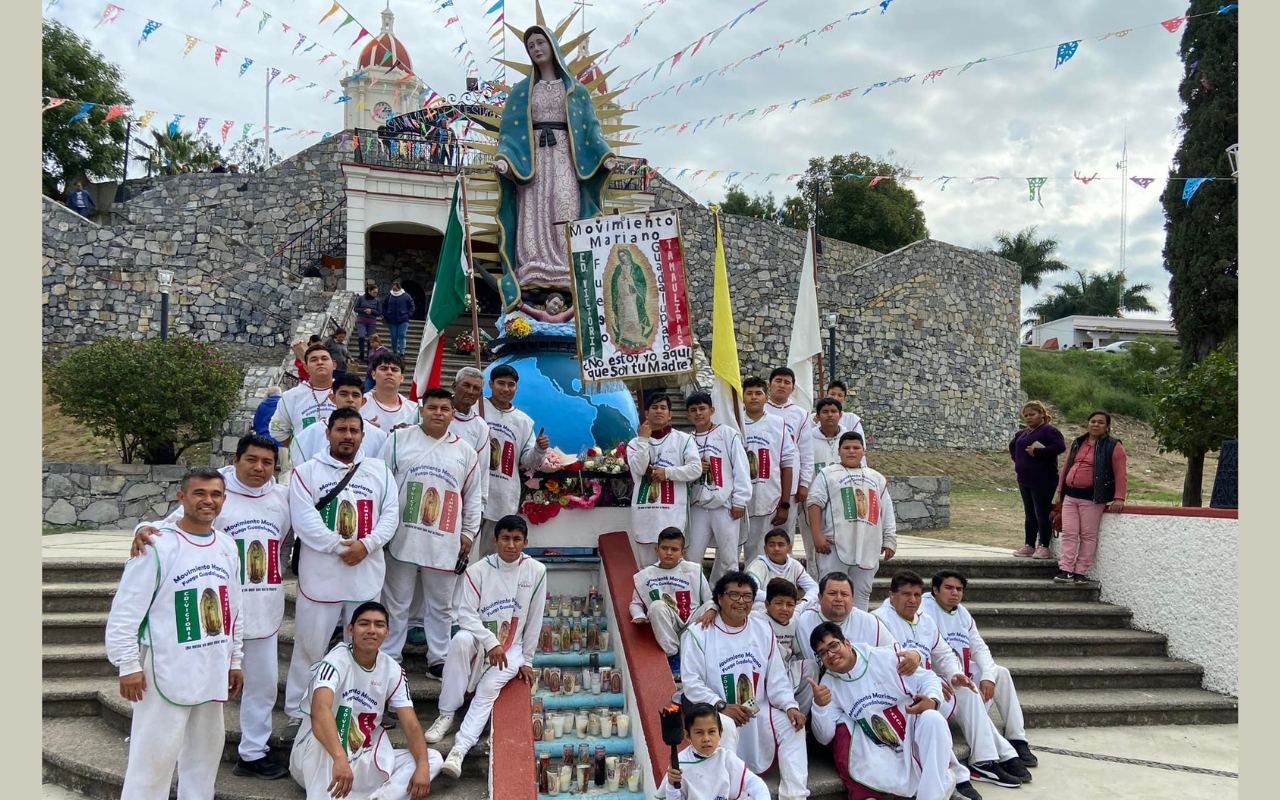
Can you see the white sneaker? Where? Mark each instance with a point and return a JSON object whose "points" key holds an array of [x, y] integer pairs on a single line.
{"points": [[453, 764], [439, 729]]}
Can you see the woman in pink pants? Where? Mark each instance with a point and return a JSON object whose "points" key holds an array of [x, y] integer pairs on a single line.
{"points": [[1094, 480]]}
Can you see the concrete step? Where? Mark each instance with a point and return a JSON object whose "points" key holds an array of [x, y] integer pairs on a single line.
{"points": [[423, 691], [73, 697], [1046, 708], [990, 616], [1102, 672], [75, 661], [86, 597], [61, 571], [1009, 590], [1072, 642], [73, 628], [971, 567], [89, 756]]}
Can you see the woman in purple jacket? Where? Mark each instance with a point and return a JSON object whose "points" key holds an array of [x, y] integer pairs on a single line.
{"points": [[1035, 450]]}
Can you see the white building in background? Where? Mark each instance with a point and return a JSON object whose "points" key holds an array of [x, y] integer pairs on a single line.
{"points": [[378, 94], [1091, 332]]}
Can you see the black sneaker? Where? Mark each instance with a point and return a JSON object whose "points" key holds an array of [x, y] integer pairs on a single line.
{"points": [[290, 731], [1025, 755], [1062, 577], [263, 768], [1081, 580], [436, 672], [966, 791], [1015, 767], [992, 772]]}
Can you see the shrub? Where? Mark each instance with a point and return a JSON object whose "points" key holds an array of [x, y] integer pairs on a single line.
{"points": [[154, 398]]}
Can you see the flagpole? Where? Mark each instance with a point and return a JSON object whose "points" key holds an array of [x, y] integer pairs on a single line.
{"points": [[813, 233], [471, 266]]}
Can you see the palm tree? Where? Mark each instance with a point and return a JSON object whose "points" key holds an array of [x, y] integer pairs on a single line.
{"points": [[1035, 255], [170, 150], [1098, 294]]}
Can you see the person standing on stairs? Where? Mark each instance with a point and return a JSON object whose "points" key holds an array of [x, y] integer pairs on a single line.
{"points": [[721, 496], [500, 608], [346, 393], [1094, 480], [943, 606], [771, 461], [782, 383], [307, 403], [377, 348], [337, 344], [776, 562], [663, 463], [342, 749], [397, 309], [439, 481], [344, 511], [1035, 450], [255, 515], [175, 632], [991, 758], [849, 421], [513, 446], [825, 443], [385, 407], [368, 309]]}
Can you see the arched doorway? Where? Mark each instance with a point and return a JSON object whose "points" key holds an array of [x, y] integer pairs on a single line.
{"points": [[406, 252], [419, 295]]}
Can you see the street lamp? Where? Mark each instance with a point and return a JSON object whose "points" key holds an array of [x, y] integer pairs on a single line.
{"points": [[831, 347], [1233, 153], [165, 279]]}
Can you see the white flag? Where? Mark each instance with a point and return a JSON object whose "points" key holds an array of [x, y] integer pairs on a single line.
{"points": [[806, 335]]}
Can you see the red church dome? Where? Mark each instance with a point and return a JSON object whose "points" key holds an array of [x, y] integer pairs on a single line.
{"points": [[386, 42]]}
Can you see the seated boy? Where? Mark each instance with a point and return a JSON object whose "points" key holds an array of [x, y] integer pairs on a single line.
{"points": [[779, 611], [670, 594], [776, 562], [706, 768]]}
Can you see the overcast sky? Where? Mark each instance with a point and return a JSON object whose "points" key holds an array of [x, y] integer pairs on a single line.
{"points": [[1013, 117]]}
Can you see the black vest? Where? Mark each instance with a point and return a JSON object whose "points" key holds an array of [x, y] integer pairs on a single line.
{"points": [[1104, 479]]}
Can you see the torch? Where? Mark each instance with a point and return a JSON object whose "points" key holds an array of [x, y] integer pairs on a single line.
{"points": [[673, 733]]}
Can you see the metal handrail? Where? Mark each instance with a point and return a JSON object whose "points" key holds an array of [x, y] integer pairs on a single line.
{"points": [[326, 236]]}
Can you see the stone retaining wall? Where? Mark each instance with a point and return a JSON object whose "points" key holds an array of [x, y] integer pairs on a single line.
{"points": [[920, 502]]}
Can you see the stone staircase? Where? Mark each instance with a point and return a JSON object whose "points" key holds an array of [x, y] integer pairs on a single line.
{"points": [[413, 342]]}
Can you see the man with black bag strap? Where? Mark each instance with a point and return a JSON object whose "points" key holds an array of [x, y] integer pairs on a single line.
{"points": [[344, 512]]}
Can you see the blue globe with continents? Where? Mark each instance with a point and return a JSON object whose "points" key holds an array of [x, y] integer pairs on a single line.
{"points": [[551, 392]]}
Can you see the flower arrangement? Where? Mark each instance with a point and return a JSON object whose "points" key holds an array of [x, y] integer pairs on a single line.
{"points": [[595, 460], [518, 328], [546, 502], [464, 343]]}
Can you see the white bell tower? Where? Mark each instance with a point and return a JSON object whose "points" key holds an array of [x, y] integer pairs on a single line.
{"points": [[381, 90]]}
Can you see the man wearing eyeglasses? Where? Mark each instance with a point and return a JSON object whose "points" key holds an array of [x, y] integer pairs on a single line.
{"points": [[884, 728], [735, 665]]}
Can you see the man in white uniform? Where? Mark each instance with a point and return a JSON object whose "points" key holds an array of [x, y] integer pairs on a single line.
{"points": [[440, 494], [174, 632], [384, 406], [342, 539], [943, 606], [721, 495], [782, 383], [500, 608], [313, 440], [305, 404], [669, 595], [771, 455], [991, 758], [513, 446], [884, 728], [343, 749], [663, 462], [851, 517], [256, 516], [736, 665], [849, 421]]}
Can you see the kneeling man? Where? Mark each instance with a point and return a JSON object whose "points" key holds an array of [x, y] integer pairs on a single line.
{"points": [[883, 727], [342, 750]]}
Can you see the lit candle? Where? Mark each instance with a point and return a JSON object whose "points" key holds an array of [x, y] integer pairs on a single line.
{"points": [[624, 725]]}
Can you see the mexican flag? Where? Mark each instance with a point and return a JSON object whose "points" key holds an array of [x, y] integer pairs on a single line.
{"points": [[448, 300]]}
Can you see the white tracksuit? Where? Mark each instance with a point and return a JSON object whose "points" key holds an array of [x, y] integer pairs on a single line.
{"points": [[770, 447], [792, 656], [300, 408], [726, 484], [826, 451], [798, 423], [386, 419], [177, 619], [857, 516], [513, 446], [859, 627], [719, 776], [670, 599], [314, 440], [764, 570], [664, 504]]}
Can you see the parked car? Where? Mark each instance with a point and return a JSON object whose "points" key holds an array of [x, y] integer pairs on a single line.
{"points": [[1120, 347]]}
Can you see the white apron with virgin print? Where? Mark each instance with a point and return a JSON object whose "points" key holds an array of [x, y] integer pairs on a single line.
{"points": [[510, 449], [681, 587], [853, 513], [656, 505], [435, 477]]}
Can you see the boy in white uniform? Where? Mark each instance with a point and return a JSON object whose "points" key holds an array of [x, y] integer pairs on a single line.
{"points": [[183, 598], [343, 749], [779, 610], [305, 404], [513, 446], [943, 606], [771, 455], [721, 495], [256, 516], [884, 728], [782, 382], [341, 539], [849, 421], [851, 517], [314, 439], [500, 608], [991, 758], [439, 480], [706, 769], [776, 562], [669, 595], [736, 665], [663, 461], [384, 406]]}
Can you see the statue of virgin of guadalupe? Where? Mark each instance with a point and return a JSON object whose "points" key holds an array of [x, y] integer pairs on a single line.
{"points": [[553, 167]]}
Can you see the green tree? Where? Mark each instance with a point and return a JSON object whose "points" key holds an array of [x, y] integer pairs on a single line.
{"points": [[1200, 249], [172, 149], [155, 398], [884, 217], [737, 201], [1098, 294], [1198, 409], [247, 155], [74, 71], [1035, 254]]}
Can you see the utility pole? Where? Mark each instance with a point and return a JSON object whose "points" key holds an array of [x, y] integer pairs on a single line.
{"points": [[1123, 166], [266, 140], [128, 128]]}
